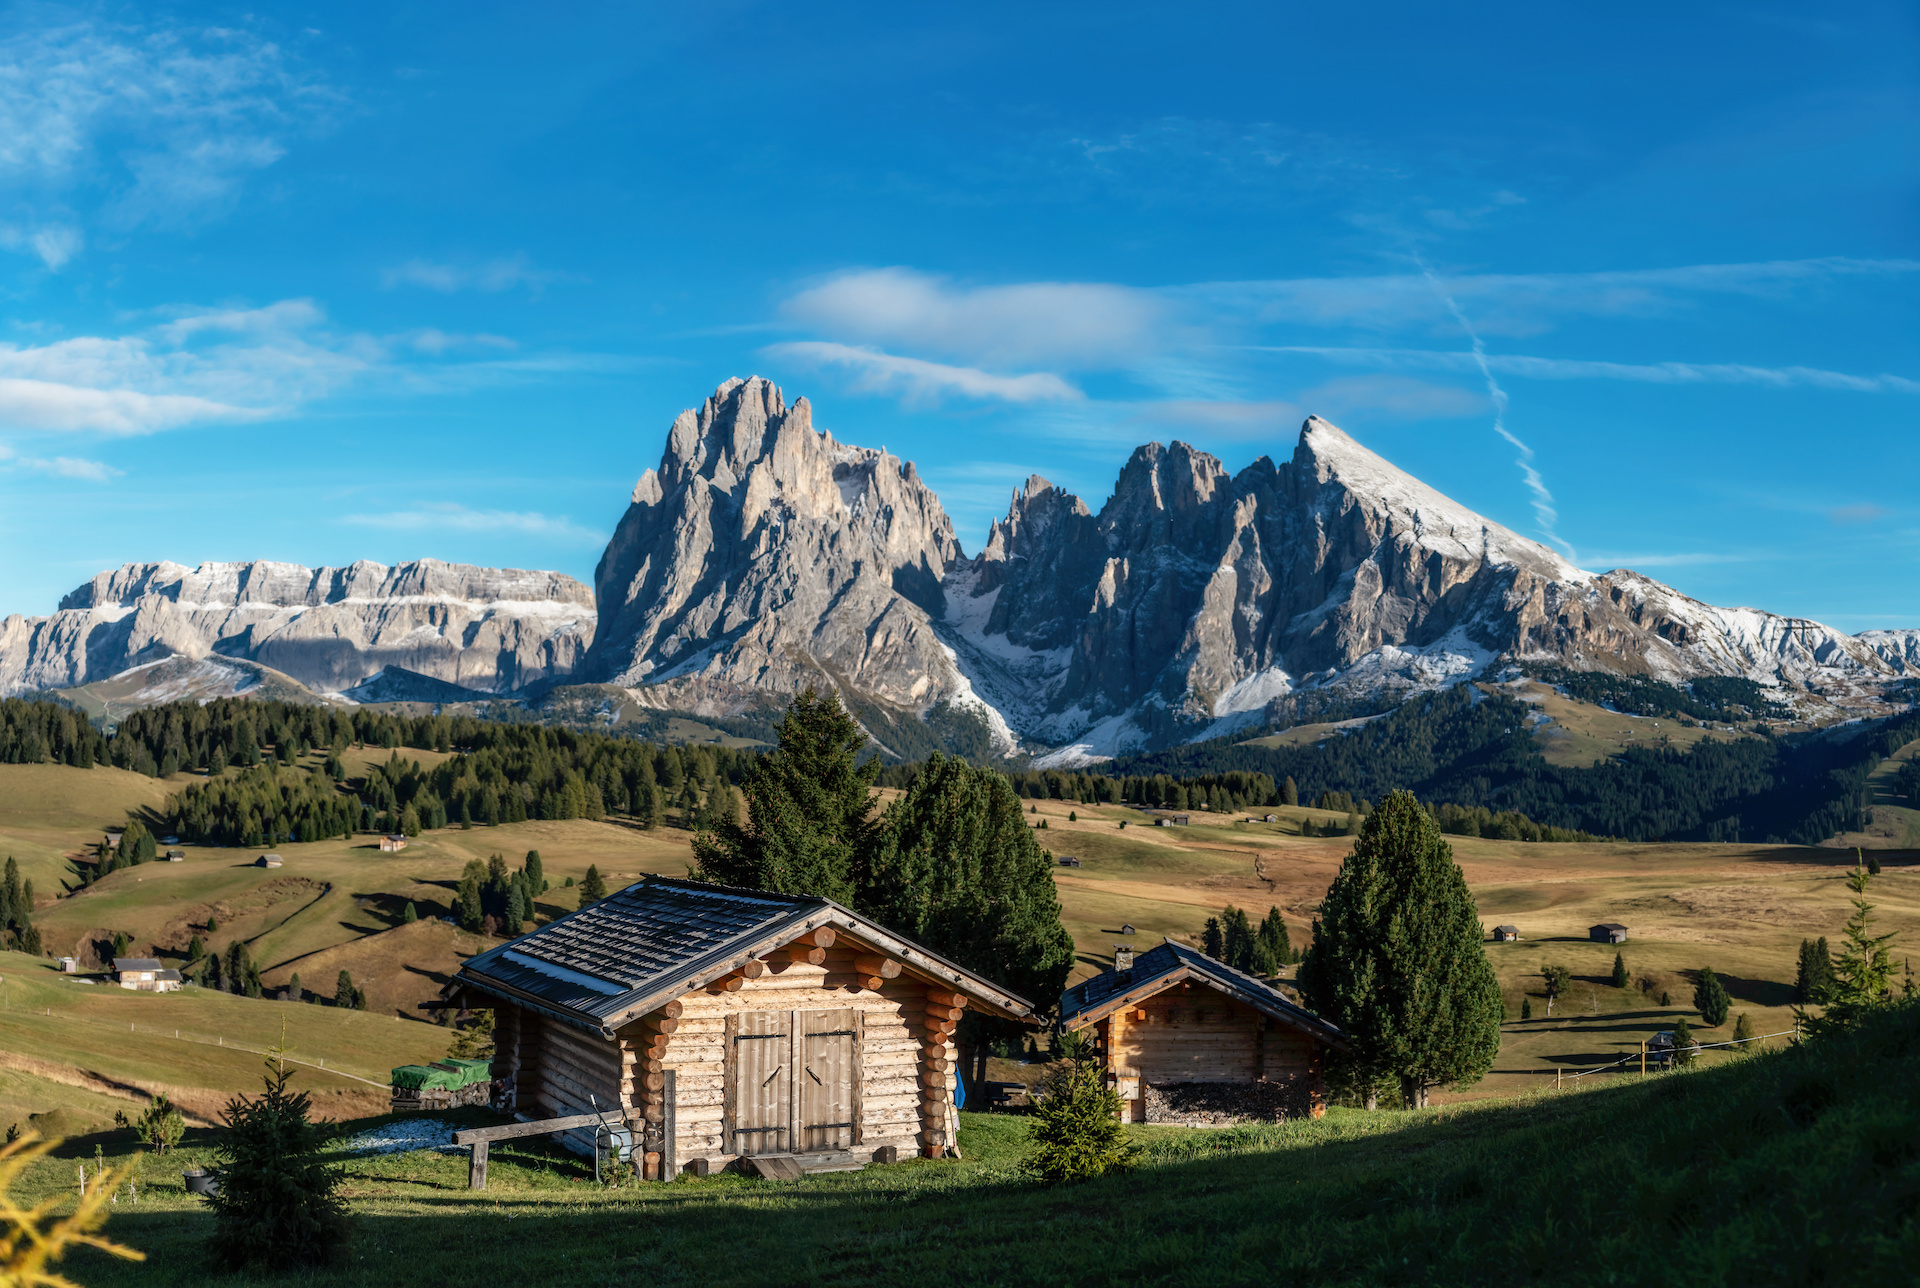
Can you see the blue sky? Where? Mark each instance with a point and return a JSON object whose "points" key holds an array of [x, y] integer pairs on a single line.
{"points": [[337, 282]]}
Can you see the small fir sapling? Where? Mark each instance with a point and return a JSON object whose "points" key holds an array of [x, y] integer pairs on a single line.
{"points": [[1076, 1132], [1685, 1052], [1620, 976], [1742, 1028], [1526, 1008], [278, 1202]]}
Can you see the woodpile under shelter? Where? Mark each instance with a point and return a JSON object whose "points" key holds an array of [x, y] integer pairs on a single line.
{"points": [[717, 1024], [1607, 932], [1187, 1038]]}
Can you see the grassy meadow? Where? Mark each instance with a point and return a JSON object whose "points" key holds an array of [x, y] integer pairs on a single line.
{"points": [[1791, 1167]]}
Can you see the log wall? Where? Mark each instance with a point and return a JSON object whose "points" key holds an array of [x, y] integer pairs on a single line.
{"points": [[904, 1080], [1192, 1033]]}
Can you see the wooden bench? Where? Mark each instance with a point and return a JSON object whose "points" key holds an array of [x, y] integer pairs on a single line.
{"points": [[481, 1137]]}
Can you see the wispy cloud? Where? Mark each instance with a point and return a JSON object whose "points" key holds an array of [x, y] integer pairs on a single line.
{"points": [[1668, 560], [916, 379], [490, 275], [142, 125], [1510, 304], [1661, 373], [450, 517], [1033, 324], [69, 467], [1862, 512]]}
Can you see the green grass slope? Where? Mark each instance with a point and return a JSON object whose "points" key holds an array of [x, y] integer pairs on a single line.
{"points": [[1799, 1167]]}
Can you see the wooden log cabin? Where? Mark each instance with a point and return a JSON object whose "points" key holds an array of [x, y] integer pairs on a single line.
{"points": [[781, 1025], [1182, 1035]]}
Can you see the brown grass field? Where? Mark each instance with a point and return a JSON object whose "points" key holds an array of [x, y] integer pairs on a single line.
{"points": [[1741, 909]]}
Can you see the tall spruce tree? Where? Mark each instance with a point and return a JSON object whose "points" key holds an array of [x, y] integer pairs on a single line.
{"points": [[1397, 960], [1813, 979], [1863, 973], [809, 809], [593, 888], [1620, 978], [953, 865], [1213, 942]]}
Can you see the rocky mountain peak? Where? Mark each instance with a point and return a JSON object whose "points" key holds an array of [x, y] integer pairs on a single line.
{"points": [[762, 556]]}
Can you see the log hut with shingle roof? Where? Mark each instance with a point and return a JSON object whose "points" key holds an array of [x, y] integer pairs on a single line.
{"points": [[783, 1025], [1185, 1037]]}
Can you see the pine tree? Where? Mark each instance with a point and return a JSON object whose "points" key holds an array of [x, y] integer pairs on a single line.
{"points": [[1710, 999], [1236, 939], [343, 991], [1289, 793], [1742, 1028], [592, 888], [467, 907], [808, 809], [1863, 973], [1397, 959], [1273, 934], [410, 915], [953, 865], [1212, 941], [536, 873], [1684, 1050], [1526, 1008], [278, 1203], [295, 993], [1620, 976]]}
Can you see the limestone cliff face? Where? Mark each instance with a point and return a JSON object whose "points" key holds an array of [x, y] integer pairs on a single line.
{"points": [[762, 557], [488, 629], [1195, 596]]}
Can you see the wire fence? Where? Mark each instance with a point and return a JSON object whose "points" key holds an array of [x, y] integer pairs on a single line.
{"points": [[201, 1039], [1561, 1077]]}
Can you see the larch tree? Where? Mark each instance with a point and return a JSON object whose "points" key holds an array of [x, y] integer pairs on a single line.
{"points": [[1397, 959], [809, 808]]}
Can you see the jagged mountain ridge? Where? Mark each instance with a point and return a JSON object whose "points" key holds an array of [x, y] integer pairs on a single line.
{"points": [[330, 629], [763, 555]]}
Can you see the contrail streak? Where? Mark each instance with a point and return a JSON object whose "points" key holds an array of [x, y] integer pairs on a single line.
{"points": [[1543, 509]]}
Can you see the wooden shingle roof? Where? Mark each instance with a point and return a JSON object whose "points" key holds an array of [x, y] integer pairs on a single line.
{"points": [[1172, 963], [643, 946]]}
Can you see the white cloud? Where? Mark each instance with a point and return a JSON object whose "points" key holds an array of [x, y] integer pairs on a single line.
{"points": [[1077, 324], [150, 126], [493, 275], [451, 517], [198, 367], [1663, 373], [918, 380]]}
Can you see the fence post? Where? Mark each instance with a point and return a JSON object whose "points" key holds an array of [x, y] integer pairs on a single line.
{"points": [[1643, 1057]]}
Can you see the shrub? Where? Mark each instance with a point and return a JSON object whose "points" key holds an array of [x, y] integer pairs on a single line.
{"points": [[159, 1125], [1076, 1133], [278, 1204], [1710, 999]]}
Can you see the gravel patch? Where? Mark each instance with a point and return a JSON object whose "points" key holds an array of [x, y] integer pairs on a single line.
{"points": [[404, 1136]]}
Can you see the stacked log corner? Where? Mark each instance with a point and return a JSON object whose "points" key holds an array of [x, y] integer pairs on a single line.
{"points": [[645, 1047], [939, 1123]]}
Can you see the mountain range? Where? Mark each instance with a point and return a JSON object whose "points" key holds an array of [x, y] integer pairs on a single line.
{"points": [[762, 556]]}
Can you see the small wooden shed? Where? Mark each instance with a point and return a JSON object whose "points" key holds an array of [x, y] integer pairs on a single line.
{"points": [[1505, 934], [393, 843], [1607, 932], [1183, 1035], [719, 1024], [145, 974]]}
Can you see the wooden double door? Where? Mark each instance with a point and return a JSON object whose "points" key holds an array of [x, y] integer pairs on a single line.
{"points": [[793, 1081]]}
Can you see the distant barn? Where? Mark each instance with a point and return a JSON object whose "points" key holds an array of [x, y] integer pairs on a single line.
{"points": [[144, 974], [1607, 932], [1505, 934], [393, 843], [267, 861], [1174, 820]]}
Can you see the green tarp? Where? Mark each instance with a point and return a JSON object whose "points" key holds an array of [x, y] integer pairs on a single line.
{"points": [[419, 1077], [443, 1075]]}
